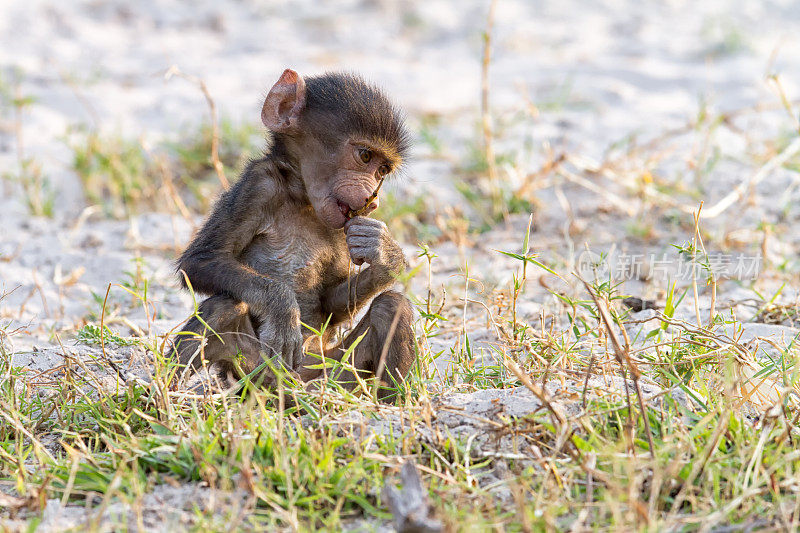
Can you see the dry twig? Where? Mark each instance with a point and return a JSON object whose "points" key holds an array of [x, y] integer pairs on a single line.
{"points": [[486, 119], [212, 109], [624, 360], [766, 170]]}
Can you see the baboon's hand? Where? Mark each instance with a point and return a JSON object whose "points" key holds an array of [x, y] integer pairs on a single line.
{"points": [[369, 241], [281, 336]]}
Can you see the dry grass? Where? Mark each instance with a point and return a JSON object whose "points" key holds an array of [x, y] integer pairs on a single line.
{"points": [[663, 464]]}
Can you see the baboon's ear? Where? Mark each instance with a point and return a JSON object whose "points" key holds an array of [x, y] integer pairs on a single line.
{"points": [[284, 103]]}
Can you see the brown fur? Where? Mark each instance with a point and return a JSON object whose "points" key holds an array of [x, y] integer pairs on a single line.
{"points": [[276, 249]]}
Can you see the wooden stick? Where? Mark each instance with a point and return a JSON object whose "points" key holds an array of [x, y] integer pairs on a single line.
{"points": [[739, 191]]}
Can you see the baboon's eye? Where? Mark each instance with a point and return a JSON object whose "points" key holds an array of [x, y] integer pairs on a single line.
{"points": [[365, 155], [383, 170]]}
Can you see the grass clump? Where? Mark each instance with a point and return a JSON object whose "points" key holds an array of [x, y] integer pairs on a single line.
{"points": [[238, 143], [126, 176], [37, 188], [94, 334], [116, 173]]}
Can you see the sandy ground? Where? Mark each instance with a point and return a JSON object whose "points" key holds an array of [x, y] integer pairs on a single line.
{"points": [[574, 77]]}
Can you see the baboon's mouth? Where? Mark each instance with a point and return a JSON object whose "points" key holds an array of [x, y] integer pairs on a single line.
{"points": [[345, 209]]}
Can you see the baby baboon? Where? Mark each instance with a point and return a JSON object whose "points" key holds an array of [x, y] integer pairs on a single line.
{"points": [[277, 247]]}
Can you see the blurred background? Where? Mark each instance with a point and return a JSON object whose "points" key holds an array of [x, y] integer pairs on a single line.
{"points": [[574, 74]]}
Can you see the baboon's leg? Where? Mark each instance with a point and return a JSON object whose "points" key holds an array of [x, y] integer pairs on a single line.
{"points": [[389, 336], [227, 334]]}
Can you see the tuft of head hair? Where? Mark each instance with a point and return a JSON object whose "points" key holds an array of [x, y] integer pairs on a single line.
{"points": [[346, 103]]}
